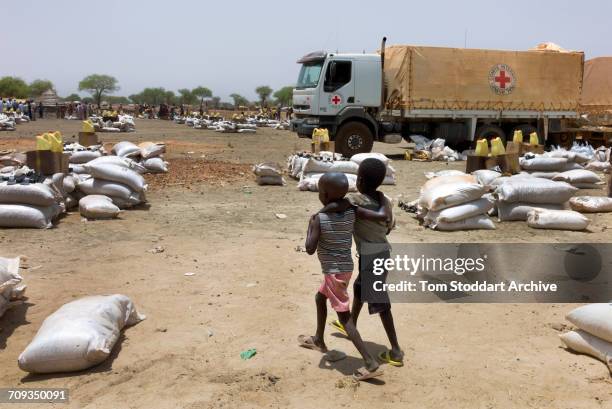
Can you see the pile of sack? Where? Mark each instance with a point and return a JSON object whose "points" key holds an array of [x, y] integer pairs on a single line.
{"points": [[434, 150], [455, 201], [593, 335], [30, 200], [562, 165], [11, 288], [79, 335], [124, 123], [308, 168], [600, 161], [268, 173], [7, 123]]}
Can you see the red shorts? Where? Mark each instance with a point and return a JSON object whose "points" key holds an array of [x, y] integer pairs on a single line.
{"points": [[335, 288]]}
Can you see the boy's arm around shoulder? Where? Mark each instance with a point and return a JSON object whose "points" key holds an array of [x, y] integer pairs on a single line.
{"points": [[383, 214], [312, 236]]}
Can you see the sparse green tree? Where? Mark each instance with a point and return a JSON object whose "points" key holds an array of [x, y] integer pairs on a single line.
{"points": [[264, 93], [216, 101], [239, 100], [98, 85], [202, 93], [13, 87], [284, 96], [186, 97], [73, 97]]}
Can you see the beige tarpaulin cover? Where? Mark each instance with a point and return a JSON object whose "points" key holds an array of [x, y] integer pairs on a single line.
{"points": [[597, 88], [452, 78]]}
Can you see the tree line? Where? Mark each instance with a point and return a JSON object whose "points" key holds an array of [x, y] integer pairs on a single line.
{"points": [[100, 86]]}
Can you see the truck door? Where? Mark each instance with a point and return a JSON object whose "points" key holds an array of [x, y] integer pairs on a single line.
{"points": [[338, 89]]}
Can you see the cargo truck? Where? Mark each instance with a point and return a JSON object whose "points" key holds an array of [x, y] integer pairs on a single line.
{"points": [[459, 95]]}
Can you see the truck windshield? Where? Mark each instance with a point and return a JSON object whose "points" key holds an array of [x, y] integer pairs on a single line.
{"points": [[309, 75]]}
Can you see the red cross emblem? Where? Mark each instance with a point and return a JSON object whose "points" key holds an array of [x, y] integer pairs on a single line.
{"points": [[502, 79], [336, 100]]}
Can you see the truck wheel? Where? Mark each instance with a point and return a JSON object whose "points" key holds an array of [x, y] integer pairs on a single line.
{"points": [[527, 130], [353, 138], [489, 132]]}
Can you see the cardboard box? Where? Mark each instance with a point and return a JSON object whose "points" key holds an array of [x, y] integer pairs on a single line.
{"points": [[523, 148], [88, 138], [508, 162], [47, 162]]}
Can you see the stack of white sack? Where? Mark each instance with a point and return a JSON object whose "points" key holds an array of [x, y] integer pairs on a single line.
{"points": [[115, 177], [518, 195], [124, 123], [80, 154], [7, 123], [296, 162], [601, 161], [34, 205], [11, 289], [268, 173], [150, 155], [435, 150], [594, 334], [546, 166], [79, 334], [455, 202], [313, 168]]}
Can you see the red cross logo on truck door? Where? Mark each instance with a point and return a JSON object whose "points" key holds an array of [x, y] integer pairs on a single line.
{"points": [[336, 99], [501, 79]]}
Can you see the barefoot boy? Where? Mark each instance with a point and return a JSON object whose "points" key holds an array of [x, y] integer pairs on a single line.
{"points": [[330, 235], [369, 177]]}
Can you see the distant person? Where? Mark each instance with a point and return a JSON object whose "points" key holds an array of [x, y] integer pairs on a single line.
{"points": [[29, 109], [1, 105], [41, 110]]}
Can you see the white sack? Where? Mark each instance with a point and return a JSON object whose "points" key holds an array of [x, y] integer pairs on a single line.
{"points": [[541, 163], [126, 148], [267, 169], [534, 190], [556, 219], [270, 180], [510, 212], [80, 157], [108, 188], [69, 184], [344, 166], [585, 343], [486, 177], [577, 176], [151, 150], [360, 157], [37, 194], [119, 161], [448, 172], [117, 174], [599, 166], [461, 212], [155, 165], [450, 194], [98, 207], [79, 334], [596, 319], [591, 204], [480, 222], [36, 217], [313, 165]]}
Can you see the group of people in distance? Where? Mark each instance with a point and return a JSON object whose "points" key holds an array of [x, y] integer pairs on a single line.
{"points": [[367, 217]]}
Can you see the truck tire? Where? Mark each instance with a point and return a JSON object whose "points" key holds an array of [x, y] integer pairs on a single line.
{"points": [[527, 130], [489, 132], [353, 138]]}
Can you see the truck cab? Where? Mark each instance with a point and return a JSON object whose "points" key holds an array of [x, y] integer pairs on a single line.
{"points": [[340, 92]]}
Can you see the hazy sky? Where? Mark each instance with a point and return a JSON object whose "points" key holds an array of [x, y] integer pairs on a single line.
{"points": [[234, 46]]}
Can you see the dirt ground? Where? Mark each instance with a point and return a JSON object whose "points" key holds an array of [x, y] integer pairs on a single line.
{"points": [[252, 289]]}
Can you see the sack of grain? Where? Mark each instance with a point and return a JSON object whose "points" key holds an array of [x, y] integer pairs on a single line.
{"points": [[596, 319], [79, 334], [577, 176], [35, 217], [69, 184], [460, 212], [599, 166], [360, 157], [155, 165], [480, 222], [151, 150], [36, 194], [310, 182], [591, 204], [98, 207], [314, 165], [344, 166], [543, 175], [447, 195], [117, 174], [543, 164], [585, 343], [297, 166], [107, 188], [126, 148], [446, 180], [119, 161], [267, 169], [270, 180], [486, 177], [539, 218], [9, 280], [509, 212], [81, 157], [534, 190]]}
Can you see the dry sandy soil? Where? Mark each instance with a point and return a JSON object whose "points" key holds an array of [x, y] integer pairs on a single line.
{"points": [[252, 289]]}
